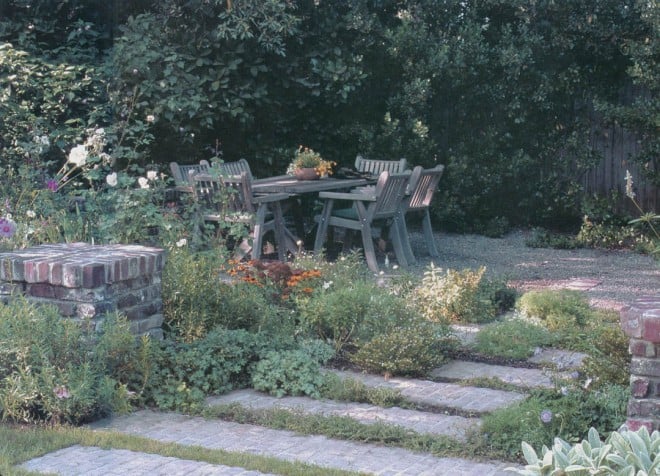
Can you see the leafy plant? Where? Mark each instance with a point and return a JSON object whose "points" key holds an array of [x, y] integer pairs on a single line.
{"points": [[184, 373], [292, 372], [623, 452], [555, 309], [456, 296], [353, 312], [565, 413], [51, 371], [512, 339], [412, 348]]}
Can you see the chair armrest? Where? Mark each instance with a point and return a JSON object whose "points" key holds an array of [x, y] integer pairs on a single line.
{"points": [[348, 196], [270, 197]]}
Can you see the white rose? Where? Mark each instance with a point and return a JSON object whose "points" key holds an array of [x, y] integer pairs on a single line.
{"points": [[144, 182], [111, 179], [182, 242], [78, 156], [152, 175]]}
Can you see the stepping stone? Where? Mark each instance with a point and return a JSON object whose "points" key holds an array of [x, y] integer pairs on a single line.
{"points": [[474, 400], [560, 359], [89, 460], [455, 427], [524, 378], [287, 445]]}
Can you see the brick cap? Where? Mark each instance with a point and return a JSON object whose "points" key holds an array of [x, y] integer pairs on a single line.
{"points": [[80, 265]]}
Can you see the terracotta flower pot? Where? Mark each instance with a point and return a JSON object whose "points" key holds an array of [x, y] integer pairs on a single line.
{"points": [[306, 173]]}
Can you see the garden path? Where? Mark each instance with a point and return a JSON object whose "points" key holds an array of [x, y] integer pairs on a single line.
{"points": [[447, 405]]}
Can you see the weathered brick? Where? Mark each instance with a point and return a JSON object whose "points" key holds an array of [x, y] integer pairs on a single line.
{"points": [[635, 424], [41, 290], [643, 366], [639, 387], [630, 322], [651, 327], [93, 275], [55, 274], [642, 348]]}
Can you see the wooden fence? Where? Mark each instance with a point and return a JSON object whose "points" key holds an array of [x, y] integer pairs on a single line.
{"points": [[616, 146]]}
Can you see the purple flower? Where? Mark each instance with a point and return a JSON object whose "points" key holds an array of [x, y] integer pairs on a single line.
{"points": [[546, 416], [7, 228], [51, 184], [61, 392]]}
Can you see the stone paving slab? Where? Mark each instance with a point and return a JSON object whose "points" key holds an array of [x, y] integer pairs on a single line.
{"points": [[422, 422], [520, 377], [286, 445], [443, 395], [560, 359], [92, 461]]}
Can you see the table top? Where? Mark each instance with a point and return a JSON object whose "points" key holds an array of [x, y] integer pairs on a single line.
{"points": [[291, 185]]}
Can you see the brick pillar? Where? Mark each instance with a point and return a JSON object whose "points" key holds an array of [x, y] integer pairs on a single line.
{"points": [[86, 281], [641, 322]]}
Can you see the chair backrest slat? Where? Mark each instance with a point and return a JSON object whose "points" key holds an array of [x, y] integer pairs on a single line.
{"points": [[182, 174], [229, 194], [235, 168], [423, 184], [390, 190], [375, 167]]}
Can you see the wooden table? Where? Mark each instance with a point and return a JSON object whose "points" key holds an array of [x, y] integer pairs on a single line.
{"points": [[298, 188], [293, 186]]}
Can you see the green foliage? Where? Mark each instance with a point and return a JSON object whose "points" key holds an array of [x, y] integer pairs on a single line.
{"points": [[353, 390], [51, 371], [292, 372], [512, 339], [458, 296], [603, 235], [547, 414], [609, 360], [183, 374], [542, 238], [622, 452], [353, 312], [413, 348], [556, 309]]}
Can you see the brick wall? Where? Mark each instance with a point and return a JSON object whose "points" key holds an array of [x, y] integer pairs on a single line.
{"points": [[641, 322], [87, 281]]}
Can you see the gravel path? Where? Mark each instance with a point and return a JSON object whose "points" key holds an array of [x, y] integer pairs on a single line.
{"points": [[611, 279]]}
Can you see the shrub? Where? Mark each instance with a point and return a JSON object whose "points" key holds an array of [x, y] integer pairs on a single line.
{"points": [[455, 296], [542, 238], [195, 300], [51, 371], [185, 372], [546, 414], [609, 360], [292, 372], [623, 452], [351, 312], [512, 339], [413, 349], [556, 309]]}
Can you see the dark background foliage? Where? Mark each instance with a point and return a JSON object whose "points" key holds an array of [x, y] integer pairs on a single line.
{"points": [[500, 91]]}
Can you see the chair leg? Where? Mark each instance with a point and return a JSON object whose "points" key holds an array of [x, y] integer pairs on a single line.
{"points": [[369, 251], [258, 231], [322, 229], [280, 238], [428, 234], [400, 243], [405, 241]]}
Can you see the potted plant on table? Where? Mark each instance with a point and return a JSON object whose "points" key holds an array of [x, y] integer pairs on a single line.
{"points": [[309, 165]]}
